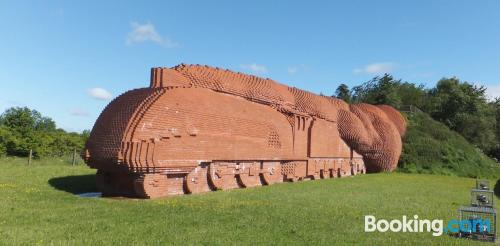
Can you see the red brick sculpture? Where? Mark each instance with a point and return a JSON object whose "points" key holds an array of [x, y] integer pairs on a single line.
{"points": [[197, 129]]}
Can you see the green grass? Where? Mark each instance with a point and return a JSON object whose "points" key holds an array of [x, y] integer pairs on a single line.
{"points": [[38, 206], [432, 148]]}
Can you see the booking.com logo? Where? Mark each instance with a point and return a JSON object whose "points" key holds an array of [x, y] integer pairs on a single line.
{"points": [[424, 225]]}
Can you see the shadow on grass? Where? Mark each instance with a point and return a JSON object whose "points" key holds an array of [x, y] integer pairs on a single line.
{"points": [[75, 184]]}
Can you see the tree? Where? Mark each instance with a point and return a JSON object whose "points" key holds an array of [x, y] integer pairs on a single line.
{"points": [[460, 105], [496, 108], [463, 107], [495, 150], [379, 90], [85, 135], [412, 94], [5, 138], [21, 123], [24, 120], [18, 119], [23, 129], [343, 92]]}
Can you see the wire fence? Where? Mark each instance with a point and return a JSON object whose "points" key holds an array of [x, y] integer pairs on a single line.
{"points": [[73, 159]]}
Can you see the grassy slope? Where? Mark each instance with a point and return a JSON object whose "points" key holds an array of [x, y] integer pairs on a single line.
{"points": [[37, 207], [431, 147]]}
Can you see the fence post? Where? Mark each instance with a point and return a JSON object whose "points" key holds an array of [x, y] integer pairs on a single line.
{"points": [[29, 157], [74, 157]]}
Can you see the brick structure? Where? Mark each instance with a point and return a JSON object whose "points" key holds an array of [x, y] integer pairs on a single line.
{"points": [[198, 128]]}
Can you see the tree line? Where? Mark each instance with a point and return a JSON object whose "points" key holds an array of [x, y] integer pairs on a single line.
{"points": [[460, 105], [23, 129]]}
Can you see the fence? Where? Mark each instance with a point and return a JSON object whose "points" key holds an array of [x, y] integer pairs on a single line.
{"points": [[71, 159]]}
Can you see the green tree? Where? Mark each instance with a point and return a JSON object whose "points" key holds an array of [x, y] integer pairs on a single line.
{"points": [[412, 94], [23, 129], [460, 105], [495, 150], [5, 139], [21, 120], [463, 107], [379, 90], [85, 135], [343, 92]]}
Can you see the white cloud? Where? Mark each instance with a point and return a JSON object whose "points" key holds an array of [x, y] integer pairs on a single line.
{"points": [[141, 33], [297, 68], [493, 91], [292, 70], [255, 68], [78, 112], [376, 68], [99, 93]]}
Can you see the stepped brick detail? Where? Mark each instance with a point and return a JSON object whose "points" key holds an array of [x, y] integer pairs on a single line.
{"points": [[198, 128]]}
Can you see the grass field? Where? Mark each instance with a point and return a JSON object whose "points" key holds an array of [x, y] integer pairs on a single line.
{"points": [[38, 205]]}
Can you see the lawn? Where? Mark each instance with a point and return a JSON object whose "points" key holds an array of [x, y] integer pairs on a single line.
{"points": [[38, 205]]}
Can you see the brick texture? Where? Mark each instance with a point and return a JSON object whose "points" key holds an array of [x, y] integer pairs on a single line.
{"points": [[198, 128]]}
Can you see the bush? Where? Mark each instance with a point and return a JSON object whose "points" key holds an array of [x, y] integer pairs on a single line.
{"points": [[431, 147], [23, 129]]}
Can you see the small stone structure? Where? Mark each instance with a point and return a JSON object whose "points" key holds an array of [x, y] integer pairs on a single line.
{"points": [[198, 128]]}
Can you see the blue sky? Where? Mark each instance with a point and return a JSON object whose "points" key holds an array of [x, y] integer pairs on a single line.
{"points": [[67, 59]]}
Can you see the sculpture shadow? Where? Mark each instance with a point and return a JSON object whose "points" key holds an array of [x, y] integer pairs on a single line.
{"points": [[76, 184]]}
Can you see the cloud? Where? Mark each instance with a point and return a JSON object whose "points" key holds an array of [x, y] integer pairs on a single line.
{"points": [[376, 68], [78, 112], [493, 91], [292, 70], [99, 93], [297, 68], [255, 68], [141, 33]]}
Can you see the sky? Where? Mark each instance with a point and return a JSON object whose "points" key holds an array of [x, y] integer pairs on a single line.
{"points": [[68, 59]]}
